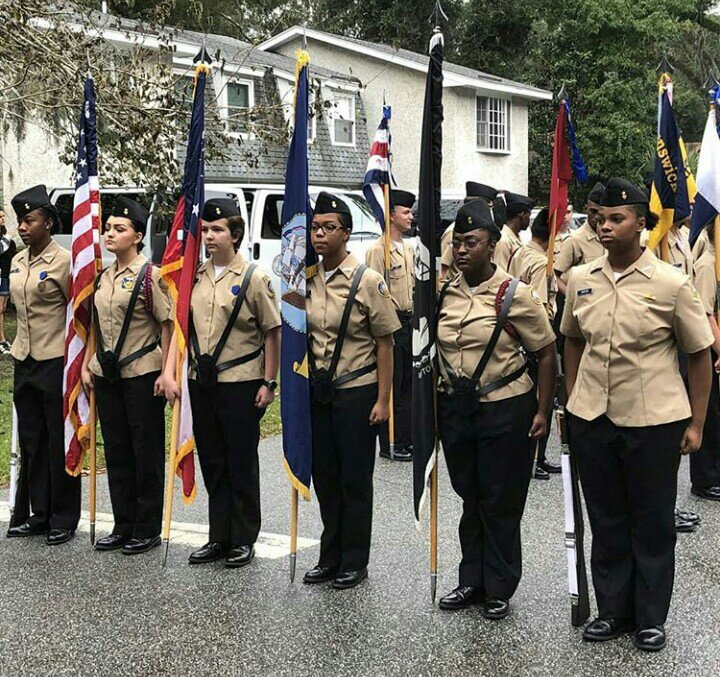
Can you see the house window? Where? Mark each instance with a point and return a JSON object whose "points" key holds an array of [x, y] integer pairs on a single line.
{"points": [[184, 89], [239, 102], [493, 124], [342, 120]]}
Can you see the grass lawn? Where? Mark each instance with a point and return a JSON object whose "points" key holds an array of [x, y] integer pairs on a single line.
{"points": [[269, 426]]}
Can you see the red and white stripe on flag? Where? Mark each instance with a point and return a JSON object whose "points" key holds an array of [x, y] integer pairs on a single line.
{"points": [[85, 262]]}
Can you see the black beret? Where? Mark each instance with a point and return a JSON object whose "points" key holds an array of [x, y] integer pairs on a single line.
{"points": [[620, 192], [473, 189], [127, 208], [219, 208], [402, 198], [29, 200], [475, 214], [517, 204], [330, 204], [540, 226], [595, 195]]}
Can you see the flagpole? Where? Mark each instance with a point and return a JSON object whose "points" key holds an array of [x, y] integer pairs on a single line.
{"points": [[664, 69], [14, 470], [388, 265], [170, 486], [717, 263], [434, 523], [92, 450], [293, 531]]}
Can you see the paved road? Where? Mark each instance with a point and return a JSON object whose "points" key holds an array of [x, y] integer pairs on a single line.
{"points": [[70, 610]]}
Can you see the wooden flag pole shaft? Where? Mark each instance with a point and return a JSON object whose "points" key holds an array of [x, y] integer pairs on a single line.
{"points": [[391, 420], [170, 486], [92, 460], [293, 531]]}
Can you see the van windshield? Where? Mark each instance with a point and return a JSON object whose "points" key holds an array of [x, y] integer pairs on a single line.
{"points": [[364, 224]]}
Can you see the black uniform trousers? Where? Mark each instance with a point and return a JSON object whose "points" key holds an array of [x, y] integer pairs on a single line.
{"points": [[226, 424], [629, 480], [402, 387], [342, 471], [489, 458], [705, 462], [53, 495], [133, 427]]}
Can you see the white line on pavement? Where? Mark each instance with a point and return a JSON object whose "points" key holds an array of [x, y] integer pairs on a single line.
{"points": [[268, 546]]}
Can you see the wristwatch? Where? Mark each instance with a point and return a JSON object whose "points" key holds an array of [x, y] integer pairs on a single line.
{"points": [[270, 385]]}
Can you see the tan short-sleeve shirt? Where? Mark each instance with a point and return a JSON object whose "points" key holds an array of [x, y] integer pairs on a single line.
{"points": [[633, 328], [681, 256], [212, 304], [401, 273], [112, 298], [39, 288], [466, 322], [581, 247], [705, 281], [529, 264], [506, 247], [373, 315], [701, 244]]}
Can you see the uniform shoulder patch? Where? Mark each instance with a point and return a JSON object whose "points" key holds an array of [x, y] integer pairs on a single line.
{"points": [[162, 284], [534, 296], [382, 289], [695, 294], [270, 288]]}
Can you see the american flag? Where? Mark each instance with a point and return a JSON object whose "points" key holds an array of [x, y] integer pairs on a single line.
{"points": [[377, 175], [179, 266], [85, 262]]}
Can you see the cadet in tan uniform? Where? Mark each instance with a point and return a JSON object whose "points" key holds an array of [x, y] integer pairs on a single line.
{"points": [[473, 191], [529, 264], [351, 321], [39, 288], [401, 280], [517, 210], [134, 327], [235, 341], [489, 414], [700, 244], [705, 464], [626, 316], [583, 245]]}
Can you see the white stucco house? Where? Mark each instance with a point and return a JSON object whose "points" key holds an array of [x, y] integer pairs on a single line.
{"points": [[485, 132]]}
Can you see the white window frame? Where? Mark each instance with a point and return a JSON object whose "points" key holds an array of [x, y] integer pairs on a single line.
{"points": [[224, 104], [507, 104], [334, 97]]}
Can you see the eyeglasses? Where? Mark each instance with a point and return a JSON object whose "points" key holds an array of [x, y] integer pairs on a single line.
{"points": [[327, 228], [470, 243]]}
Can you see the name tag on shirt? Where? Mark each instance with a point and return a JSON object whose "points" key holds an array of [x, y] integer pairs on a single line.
{"points": [[584, 292], [128, 282]]}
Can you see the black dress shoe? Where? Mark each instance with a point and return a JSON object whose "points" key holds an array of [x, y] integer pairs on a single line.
{"points": [[460, 598], [349, 579], [650, 639], [552, 468], [401, 453], [710, 493], [541, 474], [111, 542], [605, 629], [319, 574], [136, 546], [239, 556], [495, 609], [683, 526], [687, 515], [59, 536], [27, 529], [210, 552]]}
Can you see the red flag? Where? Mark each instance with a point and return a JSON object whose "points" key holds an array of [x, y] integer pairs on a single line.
{"points": [[562, 172]]}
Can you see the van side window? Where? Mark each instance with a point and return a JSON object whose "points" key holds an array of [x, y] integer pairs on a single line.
{"points": [[64, 206], [272, 217]]}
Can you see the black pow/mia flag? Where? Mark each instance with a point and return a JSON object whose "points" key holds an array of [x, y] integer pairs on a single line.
{"points": [[425, 301]]}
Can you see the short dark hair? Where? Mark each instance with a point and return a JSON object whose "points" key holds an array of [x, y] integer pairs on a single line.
{"points": [[346, 221], [51, 214], [643, 210], [139, 228], [236, 225]]}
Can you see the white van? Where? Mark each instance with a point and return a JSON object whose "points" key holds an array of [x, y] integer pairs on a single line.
{"points": [[260, 206]]}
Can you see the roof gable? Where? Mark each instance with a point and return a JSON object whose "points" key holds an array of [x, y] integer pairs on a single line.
{"points": [[455, 75]]}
